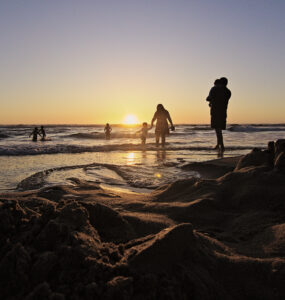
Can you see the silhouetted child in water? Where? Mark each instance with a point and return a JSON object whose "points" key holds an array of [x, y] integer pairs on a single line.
{"points": [[35, 134], [144, 130], [42, 132], [107, 131]]}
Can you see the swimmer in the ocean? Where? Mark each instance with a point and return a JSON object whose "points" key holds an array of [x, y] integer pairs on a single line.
{"points": [[35, 134], [42, 132], [108, 130]]}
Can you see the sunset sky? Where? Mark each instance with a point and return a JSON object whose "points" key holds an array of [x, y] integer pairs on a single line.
{"points": [[88, 61]]}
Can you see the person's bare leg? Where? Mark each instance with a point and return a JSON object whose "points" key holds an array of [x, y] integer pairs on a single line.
{"points": [[220, 140], [163, 140], [217, 135], [157, 140]]}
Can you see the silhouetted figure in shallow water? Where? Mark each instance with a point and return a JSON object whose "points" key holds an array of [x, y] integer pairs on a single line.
{"points": [[161, 116], [144, 130], [218, 98], [42, 132], [107, 131], [35, 134]]}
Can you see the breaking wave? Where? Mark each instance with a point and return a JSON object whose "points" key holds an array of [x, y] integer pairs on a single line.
{"points": [[253, 128]]}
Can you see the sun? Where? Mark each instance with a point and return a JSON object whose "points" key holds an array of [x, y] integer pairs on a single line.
{"points": [[130, 119]]}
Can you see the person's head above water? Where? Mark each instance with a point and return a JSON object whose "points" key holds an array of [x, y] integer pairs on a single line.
{"points": [[36, 128], [160, 107], [223, 81]]}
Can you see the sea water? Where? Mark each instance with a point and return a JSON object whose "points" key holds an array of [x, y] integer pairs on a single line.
{"points": [[82, 152]]}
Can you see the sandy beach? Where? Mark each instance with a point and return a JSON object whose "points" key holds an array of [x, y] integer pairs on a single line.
{"points": [[220, 236]]}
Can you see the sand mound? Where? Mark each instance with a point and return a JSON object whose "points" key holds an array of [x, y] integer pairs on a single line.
{"points": [[109, 223], [168, 247]]}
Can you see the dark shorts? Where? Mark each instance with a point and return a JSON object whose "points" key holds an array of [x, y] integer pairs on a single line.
{"points": [[218, 121]]}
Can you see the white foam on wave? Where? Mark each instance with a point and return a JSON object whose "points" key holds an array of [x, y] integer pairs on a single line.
{"points": [[21, 150]]}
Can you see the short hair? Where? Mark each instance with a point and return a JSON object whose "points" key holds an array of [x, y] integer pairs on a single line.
{"points": [[217, 81], [223, 81], [144, 123]]}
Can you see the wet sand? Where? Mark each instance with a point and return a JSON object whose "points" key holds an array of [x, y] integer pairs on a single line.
{"points": [[221, 236], [213, 168]]}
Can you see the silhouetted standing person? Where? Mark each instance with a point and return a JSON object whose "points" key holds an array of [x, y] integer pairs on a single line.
{"points": [[35, 134], [107, 131], [219, 97], [161, 116], [42, 133]]}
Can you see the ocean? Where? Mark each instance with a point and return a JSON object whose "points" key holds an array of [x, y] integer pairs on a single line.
{"points": [[81, 152]]}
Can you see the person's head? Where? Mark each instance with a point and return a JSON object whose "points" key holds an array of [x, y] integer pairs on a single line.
{"points": [[36, 128], [160, 107], [144, 124], [107, 125], [42, 127], [223, 81], [217, 82]]}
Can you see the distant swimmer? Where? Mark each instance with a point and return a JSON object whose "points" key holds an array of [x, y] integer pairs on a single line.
{"points": [[108, 130], [161, 116], [35, 134], [144, 130], [218, 100], [42, 132]]}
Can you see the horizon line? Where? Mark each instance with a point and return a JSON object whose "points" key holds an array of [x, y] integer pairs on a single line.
{"points": [[127, 125]]}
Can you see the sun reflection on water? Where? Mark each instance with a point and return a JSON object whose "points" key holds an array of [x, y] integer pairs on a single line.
{"points": [[130, 158]]}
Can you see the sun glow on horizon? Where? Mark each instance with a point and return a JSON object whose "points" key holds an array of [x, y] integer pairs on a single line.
{"points": [[130, 119]]}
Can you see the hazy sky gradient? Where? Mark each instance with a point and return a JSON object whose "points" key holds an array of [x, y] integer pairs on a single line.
{"points": [[67, 61]]}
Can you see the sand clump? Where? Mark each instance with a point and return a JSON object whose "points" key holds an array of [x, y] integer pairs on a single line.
{"points": [[221, 238]]}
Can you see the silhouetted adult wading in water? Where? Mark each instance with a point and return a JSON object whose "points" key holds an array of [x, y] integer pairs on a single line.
{"points": [[219, 97], [161, 116], [35, 134]]}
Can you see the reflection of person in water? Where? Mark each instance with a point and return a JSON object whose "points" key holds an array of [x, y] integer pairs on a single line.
{"points": [[144, 130], [161, 117], [42, 132], [107, 131], [35, 134], [161, 156], [219, 97]]}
